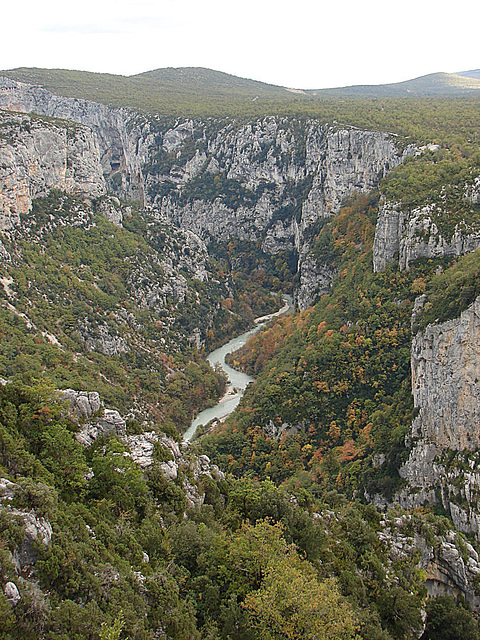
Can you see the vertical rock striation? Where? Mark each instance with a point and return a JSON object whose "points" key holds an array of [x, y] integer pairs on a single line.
{"points": [[443, 464], [36, 156], [403, 236]]}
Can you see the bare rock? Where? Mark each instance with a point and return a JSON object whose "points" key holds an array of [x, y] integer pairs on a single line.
{"points": [[12, 594], [37, 156]]}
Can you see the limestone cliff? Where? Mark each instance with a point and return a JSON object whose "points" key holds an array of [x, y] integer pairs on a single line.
{"points": [[37, 155], [443, 464], [268, 180], [108, 125], [404, 235]]}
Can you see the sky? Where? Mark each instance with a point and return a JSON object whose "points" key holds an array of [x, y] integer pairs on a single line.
{"points": [[306, 44]]}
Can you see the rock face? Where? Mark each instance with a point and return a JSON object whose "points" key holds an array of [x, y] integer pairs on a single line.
{"points": [[36, 156], [315, 280], [445, 381], [443, 464], [268, 180], [404, 236], [271, 179], [37, 529], [142, 451], [95, 419], [451, 565], [108, 125], [11, 593]]}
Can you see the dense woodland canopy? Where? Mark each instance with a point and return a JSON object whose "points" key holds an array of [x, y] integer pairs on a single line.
{"points": [[283, 543]]}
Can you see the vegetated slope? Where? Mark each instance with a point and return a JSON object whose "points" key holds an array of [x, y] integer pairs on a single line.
{"points": [[188, 79], [112, 546], [94, 546], [431, 85], [332, 404], [245, 559], [194, 91], [333, 384], [161, 91], [90, 305]]}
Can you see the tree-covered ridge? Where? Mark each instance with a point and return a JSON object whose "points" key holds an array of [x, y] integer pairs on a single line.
{"points": [[120, 310], [129, 552], [427, 119]]}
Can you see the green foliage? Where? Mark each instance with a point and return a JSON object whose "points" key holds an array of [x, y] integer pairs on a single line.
{"points": [[451, 291], [250, 555], [258, 560], [333, 384], [202, 92], [209, 187], [77, 282], [112, 632], [450, 619], [434, 177]]}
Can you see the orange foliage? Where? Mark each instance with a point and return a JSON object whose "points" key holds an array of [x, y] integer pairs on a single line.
{"points": [[334, 431], [321, 327], [349, 451]]}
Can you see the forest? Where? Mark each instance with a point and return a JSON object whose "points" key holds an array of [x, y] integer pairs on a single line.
{"points": [[264, 528]]}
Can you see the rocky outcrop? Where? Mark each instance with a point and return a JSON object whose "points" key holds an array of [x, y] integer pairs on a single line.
{"points": [[182, 466], [176, 462], [37, 155], [388, 235], [404, 236], [450, 563], [315, 280], [11, 593], [445, 382], [87, 409], [443, 463], [37, 529]]}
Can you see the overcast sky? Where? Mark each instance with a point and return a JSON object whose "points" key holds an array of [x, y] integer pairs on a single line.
{"points": [[308, 44]]}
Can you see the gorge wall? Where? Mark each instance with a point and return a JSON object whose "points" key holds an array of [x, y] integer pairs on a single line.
{"points": [[267, 181], [445, 438], [37, 155], [404, 234]]}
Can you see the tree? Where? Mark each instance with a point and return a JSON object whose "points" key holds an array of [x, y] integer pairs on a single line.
{"points": [[449, 620], [292, 604]]}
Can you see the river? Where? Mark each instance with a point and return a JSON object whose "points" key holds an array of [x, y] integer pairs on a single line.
{"points": [[237, 381]]}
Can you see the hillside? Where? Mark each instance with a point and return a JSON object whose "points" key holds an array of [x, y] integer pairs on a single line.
{"points": [[474, 73], [433, 85], [341, 500], [198, 91], [184, 91]]}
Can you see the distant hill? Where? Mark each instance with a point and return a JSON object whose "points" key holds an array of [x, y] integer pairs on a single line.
{"points": [[187, 79], [189, 90], [473, 73], [434, 84]]}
